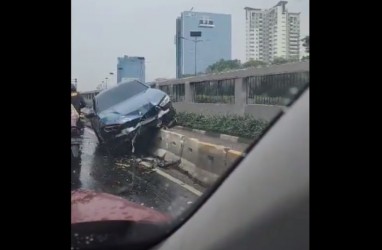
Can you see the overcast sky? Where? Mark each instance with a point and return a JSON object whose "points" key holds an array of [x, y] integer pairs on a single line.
{"points": [[103, 30]]}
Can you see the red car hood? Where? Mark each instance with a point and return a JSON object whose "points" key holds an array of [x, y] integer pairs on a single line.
{"points": [[90, 206]]}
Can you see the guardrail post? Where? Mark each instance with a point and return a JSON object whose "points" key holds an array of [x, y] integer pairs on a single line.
{"points": [[240, 95], [187, 92]]}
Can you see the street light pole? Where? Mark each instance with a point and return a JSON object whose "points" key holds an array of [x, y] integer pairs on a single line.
{"points": [[195, 53], [195, 42], [112, 77]]}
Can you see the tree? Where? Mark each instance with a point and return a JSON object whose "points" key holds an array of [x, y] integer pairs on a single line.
{"points": [[253, 63], [305, 58], [279, 60], [282, 60], [187, 75], [306, 43], [293, 59], [191, 75], [224, 65]]}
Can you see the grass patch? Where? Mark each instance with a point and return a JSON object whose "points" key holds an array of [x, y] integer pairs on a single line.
{"points": [[243, 126]]}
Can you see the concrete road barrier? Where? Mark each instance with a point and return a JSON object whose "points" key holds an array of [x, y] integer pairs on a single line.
{"points": [[203, 161], [232, 156]]}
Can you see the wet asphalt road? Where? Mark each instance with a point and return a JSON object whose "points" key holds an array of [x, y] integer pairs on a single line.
{"points": [[121, 175]]}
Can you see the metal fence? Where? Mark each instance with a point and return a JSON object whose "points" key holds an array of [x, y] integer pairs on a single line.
{"points": [[276, 89], [89, 96], [178, 92], [219, 91], [165, 88], [175, 91], [259, 91]]}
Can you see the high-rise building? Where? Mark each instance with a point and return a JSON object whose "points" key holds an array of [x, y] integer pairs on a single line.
{"points": [[201, 40], [130, 68], [272, 33]]}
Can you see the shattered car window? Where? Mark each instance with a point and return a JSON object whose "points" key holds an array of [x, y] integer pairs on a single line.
{"points": [[167, 106]]}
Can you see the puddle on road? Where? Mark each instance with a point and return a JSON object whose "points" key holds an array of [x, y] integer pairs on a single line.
{"points": [[131, 176]]}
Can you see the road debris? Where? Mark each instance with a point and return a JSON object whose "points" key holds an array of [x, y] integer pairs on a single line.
{"points": [[122, 165], [169, 164]]}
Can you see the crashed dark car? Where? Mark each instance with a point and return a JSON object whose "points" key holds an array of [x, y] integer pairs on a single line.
{"points": [[124, 111]]}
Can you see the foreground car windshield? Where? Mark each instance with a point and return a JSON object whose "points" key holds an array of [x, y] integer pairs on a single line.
{"points": [[173, 103], [117, 95]]}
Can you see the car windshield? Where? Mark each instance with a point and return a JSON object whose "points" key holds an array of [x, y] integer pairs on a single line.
{"points": [[192, 86], [120, 93]]}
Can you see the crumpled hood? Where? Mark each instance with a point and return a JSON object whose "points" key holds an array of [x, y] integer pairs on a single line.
{"points": [[132, 108], [90, 206]]}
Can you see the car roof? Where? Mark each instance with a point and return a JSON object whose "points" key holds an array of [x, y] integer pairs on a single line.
{"points": [[119, 85]]}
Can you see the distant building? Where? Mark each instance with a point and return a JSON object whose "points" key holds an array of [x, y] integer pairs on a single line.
{"points": [[271, 33], [130, 68], [213, 44]]}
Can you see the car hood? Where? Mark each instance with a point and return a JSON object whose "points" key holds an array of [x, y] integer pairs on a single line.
{"points": [[132, 108], [90, 206]]}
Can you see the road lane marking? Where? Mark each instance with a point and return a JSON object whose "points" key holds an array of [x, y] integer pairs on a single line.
{"points": [[179, 182]]}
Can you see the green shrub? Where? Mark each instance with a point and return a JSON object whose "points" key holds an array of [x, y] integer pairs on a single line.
{"points": [[243, 126]]}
